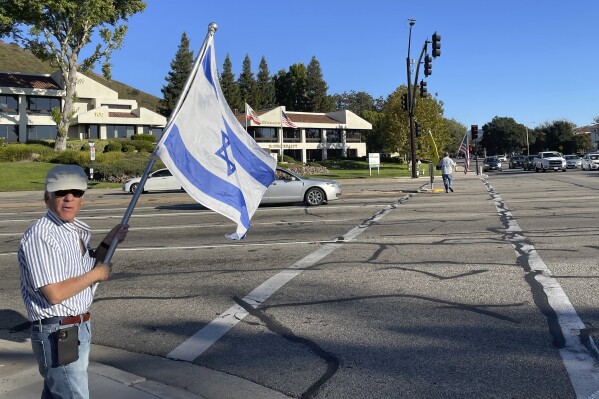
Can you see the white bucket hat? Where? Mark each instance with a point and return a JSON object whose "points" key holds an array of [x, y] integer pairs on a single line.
{"points": [[66, 177]]}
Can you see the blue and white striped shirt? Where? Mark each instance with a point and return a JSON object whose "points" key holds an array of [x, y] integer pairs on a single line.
{"points": [[50, 252]]}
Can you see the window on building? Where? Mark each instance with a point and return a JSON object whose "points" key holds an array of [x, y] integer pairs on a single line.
{"points": [[42, 132], [313, 135], [117, 106], [42, 105], [9, 104], [156, 132], [353, 136], [291, 135], [119, 131], [333, 136], [264, 134], [9, 133], [92, 132]]}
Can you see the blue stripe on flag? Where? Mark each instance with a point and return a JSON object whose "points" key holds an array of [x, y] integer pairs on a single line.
{"points": [[207, 64], [247, 159], [203, 179]]}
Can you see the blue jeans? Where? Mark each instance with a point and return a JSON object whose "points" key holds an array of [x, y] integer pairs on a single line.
{"points": [[69, 381], [447, 178]]}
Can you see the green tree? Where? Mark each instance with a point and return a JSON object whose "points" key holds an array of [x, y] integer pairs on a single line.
{"points": [[428, 113], [247, 83], [503, 135], [266, 87], [357, 102], [290, 88], [181, 67], [456, 133], [316, 89], [556, 134], [57, 32], [229, 85]]}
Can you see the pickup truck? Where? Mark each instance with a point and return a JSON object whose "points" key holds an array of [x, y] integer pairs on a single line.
{"points": [[550, 160]]}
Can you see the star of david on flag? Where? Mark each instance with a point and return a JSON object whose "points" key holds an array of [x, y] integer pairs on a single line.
{"points": [[209, 151]]}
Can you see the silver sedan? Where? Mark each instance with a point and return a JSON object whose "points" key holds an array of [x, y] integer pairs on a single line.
{"points": [[290, 187]]}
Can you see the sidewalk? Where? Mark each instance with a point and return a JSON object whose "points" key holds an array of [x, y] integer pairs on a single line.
{"points": [[164, 378]]}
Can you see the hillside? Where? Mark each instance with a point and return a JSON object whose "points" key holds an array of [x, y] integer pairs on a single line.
{"points": [[15, 59]]}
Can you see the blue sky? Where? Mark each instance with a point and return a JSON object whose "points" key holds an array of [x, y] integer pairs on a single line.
{"points": [[534, 61]]}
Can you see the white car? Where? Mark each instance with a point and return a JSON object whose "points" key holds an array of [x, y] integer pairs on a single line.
{"points": [[590, 161], [573, 161], [288, 187], [160, 180]]}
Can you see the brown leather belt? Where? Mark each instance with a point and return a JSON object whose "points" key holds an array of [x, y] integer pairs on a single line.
{"points": [[67, 319]]}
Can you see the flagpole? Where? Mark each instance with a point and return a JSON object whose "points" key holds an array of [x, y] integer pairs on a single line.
{"points": [[212, 28]]}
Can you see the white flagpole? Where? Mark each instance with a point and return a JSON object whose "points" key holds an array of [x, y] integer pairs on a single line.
{"points": [[246, 117], [212, 27]]}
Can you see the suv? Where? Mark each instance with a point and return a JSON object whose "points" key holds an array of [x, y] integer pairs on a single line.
{"points": [[550, 160]]}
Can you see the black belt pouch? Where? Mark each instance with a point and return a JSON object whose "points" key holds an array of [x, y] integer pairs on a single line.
{"points": [[67, 345]]}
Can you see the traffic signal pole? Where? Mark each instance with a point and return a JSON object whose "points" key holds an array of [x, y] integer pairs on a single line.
{"points": [[411, 96]]}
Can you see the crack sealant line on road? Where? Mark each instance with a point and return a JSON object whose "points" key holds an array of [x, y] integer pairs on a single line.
{"points": [[198, 343], [579, 362]]}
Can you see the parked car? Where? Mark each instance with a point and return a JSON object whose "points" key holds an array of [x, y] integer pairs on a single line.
{"points": [[160, 180], [288, 187], [492, 163], [590, 161], [529, 162], [573, 161], [501, 157], [516, 161]]}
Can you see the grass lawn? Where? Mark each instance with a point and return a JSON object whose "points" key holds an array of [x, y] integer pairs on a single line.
{"points": [[30, 176]]}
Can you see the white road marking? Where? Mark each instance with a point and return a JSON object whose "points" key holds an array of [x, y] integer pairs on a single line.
{"points": [[579, 363], [198, 343]]}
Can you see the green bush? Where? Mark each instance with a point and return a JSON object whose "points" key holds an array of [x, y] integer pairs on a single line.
{"points": [[143, 146], [143, 137], [47, 143], [23, 152], [119, 170], [343, 163], [72, 157], [109, 157], [128, 148], [113, 145]]}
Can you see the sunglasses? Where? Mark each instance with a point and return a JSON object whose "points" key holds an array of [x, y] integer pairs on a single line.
{"points": [[64, 193]]}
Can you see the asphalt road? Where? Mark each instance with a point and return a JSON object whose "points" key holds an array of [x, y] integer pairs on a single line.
{"points": [[386, 293]]}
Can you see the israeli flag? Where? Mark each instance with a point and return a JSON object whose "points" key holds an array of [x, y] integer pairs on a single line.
{"points": [[204, 146]]}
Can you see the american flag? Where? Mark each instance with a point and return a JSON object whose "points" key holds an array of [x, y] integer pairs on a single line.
{"points": [[251, 115], [465, 149], [286, 121]]}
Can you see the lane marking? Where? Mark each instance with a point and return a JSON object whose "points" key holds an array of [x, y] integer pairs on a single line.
{"points": [[579, 363], [198, 343]]}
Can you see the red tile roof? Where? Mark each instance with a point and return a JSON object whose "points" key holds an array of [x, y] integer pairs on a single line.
{"points": [[27, 81]]}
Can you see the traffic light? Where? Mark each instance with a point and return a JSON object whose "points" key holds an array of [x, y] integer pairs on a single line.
{"points": [[423, 90], [436, 45], [474, 130], [428, 67], [418, 129], [404, 101]]}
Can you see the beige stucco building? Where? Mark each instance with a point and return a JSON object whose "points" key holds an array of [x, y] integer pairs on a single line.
{"points": [[317, 136], [26, 101]]}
